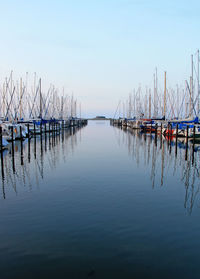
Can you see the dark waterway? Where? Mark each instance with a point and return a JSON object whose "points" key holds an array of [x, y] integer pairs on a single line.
{"points": [[100, 202]]}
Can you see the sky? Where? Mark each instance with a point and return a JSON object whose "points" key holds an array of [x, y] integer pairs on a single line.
{"points": [[99, 50]]}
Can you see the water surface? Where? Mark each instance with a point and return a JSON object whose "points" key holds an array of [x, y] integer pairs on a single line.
{"points": [[100, 202]]}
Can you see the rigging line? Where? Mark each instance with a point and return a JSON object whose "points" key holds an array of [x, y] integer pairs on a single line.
{"points": [[191, 99], [116, 109]]}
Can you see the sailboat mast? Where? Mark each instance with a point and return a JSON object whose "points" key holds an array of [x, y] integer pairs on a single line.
{"points": [[198, 82], [156, 103], [154, 96], [20, 108], [177, 102], [40, 98], [165, 94], [191, 83], [149, 103], [190, 107], [186, 105], [80, 110], [4, 85]]}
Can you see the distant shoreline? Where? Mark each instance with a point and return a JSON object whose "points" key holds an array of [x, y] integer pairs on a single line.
{"points": [[98, 118]]}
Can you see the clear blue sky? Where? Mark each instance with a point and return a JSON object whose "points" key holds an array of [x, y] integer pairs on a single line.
{"points": [[100, 50]]}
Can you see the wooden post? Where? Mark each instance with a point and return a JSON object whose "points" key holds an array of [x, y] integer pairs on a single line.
{"points": [[29, 149], [1, 143], [35, 146], [20, 128], [156, 134], [187, 134], [194, 133], [176, 139], [28, 131]]}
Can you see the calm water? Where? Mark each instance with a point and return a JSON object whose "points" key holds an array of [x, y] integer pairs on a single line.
{"points": [[100, 202]]}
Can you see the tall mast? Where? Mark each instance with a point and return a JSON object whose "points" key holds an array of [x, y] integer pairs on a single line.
{"points": [[165, 94], [40, 98], [177, 95], [126, 109], [72, 101], [75, 108], [4, 99], [130, 102], [26, 92], [198, 82], [11, 82], [20, 102], [186, 104], [34, 91], [80, 110], [190, 107], [62, 107], [34, 88], [156, 93], [145, 104], [149, 103], [192, 79]]}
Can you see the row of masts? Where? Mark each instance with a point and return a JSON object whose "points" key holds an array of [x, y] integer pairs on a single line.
{"points": [[183, 101], [21, 99]]}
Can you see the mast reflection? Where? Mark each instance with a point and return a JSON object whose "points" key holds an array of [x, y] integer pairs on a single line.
{"points": [[20, 169], [182, 162]]}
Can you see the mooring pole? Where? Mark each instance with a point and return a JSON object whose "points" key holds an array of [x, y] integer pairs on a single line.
{"points": [[29, 144], [20, 128], [1, 139], [12, 133], [28, 131], [176, 139]]}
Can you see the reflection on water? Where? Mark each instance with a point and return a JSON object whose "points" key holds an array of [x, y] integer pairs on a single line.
{"points": [[165, 156], [100, 202], [24, 163]]}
